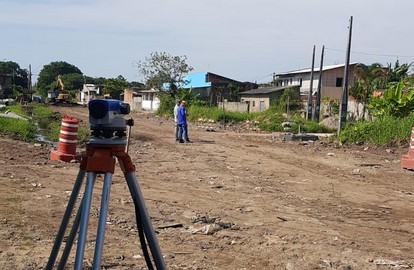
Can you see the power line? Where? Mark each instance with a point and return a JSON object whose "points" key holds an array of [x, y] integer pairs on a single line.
{"points": [[373, 54]]}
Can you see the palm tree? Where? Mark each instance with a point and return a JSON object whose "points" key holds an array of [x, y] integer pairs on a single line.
{"points": [[369, 78], [399, 72]]}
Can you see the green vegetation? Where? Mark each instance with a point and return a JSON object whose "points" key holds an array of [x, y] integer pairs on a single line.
{"points": [[396, 101], [386, 130], [42, 120], [392, 109], [18, 128], [218, 114], [269, 120]]}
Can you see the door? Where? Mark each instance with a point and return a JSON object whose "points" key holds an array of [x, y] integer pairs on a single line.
{"points": [[262, 106]]}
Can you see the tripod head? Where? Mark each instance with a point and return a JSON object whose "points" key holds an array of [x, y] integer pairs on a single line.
{"points": [[106, 120]]}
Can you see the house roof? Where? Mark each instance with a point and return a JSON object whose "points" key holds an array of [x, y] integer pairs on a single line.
{"points": [[316, 69], [196, 80], [138, 90], [90, 87], [264, 90], [201, 80]]}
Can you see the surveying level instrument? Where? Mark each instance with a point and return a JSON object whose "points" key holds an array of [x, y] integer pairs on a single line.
{"points": [[107, 142]]}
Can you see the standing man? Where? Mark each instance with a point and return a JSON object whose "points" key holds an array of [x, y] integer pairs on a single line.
{"points": [[177, 105], [182, 123]]}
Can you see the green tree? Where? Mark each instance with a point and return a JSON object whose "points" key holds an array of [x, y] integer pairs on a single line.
{"points": [[115, 87], [160, 68], [229, 92], [47, 76], [19, 77], [136, 84], [98, 81], [72, 81], [398, 73], [396, 101], [369, 78]]}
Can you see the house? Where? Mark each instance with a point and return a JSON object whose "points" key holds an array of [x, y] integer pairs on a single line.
{"points": [[141, 99], [89, 92], [332, 80], [260, 99], [210, 86]]}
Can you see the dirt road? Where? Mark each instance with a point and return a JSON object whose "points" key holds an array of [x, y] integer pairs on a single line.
{"points": [[227, 201]]}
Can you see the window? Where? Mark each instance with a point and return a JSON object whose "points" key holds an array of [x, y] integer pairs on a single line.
{"points": [[300, 82], [253, 103], [339, 81]]}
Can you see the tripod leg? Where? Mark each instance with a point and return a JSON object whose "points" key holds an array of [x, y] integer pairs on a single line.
{"points": [[102, 221], [70, 239], [86, 207], [146, 222], [65, 220]]}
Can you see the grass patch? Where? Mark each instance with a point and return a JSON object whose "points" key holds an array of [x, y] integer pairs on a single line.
{"points": [[43, 121], [17, 109], [270, 120], [217, 114], [386, 130], [18, 128]]}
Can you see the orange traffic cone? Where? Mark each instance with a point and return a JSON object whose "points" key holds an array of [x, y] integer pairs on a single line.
{"points": [[68, 140], [407, 161]]}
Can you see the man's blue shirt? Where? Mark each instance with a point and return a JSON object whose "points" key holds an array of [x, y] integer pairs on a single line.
{"points": [[181, 117]]}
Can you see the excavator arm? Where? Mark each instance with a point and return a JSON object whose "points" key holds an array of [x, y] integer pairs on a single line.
{"points": [[60, 84]]}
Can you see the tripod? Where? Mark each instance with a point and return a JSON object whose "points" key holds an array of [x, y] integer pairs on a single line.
{"points": [[100, 158]]}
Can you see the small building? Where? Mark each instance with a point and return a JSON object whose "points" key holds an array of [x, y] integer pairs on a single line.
{"points": [[260, 99], [211, 87], [332, 80], [142, 99], [89, 92]]}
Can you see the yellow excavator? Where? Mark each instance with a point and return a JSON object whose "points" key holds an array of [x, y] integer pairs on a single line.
{"points": [[59, 95]]}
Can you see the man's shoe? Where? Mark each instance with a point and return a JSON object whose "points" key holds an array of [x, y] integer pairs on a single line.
{"points": [[181, 141], [188, 141]]}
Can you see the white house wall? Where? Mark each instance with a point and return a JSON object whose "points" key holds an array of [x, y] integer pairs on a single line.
{"points": [[304, 89], [150, 105]]}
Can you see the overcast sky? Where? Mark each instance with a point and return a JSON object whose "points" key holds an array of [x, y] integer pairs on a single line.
{"points": [[240, 39]]}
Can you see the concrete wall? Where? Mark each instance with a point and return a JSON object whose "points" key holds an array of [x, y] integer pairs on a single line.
{"points": [[128, 95], [234, 106], [135, 104], [354, 110], [257, 103], [150, 105]]}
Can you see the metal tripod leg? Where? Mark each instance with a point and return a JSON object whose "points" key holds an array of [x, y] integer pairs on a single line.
{"points": [[70, 239], [65, 220], [145, 219], [102, 222], [101, 227], [86, 207]]}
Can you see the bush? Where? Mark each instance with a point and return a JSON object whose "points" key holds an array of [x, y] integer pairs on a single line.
{"points": [[386, 130]]}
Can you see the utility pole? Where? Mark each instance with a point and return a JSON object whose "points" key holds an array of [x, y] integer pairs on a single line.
{"points": [[29, 82], [317, 113], [310, 101], [344, 101]]}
